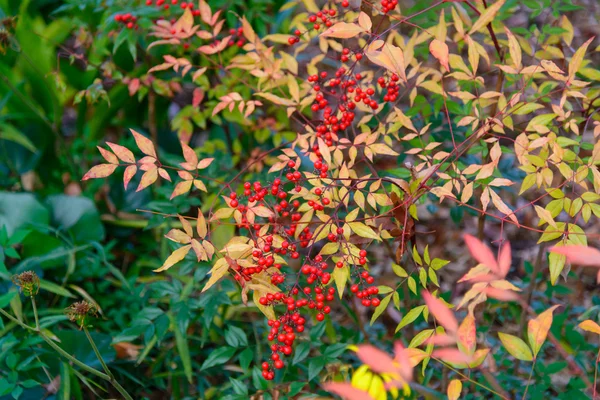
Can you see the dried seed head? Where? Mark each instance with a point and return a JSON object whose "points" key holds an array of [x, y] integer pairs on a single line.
{"points": [[78, 312], [28, 282]]}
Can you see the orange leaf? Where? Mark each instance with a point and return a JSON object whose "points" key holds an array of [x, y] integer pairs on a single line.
{"points": [[441, 312], [100, 171], [144, 144], [123, 153], [439, 50], [148, 179], [581, 255], [342, 30], [108, 156], [481, 253], [129, 173]]}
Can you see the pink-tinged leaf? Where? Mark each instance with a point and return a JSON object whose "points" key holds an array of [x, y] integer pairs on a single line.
{"points": [[164, 174], [479, 273], [100, 171], [454, 389], [501, 294], [467, 339], [148, 179], [204, 163], [405, 360], [185, 175], [504, 259], [212, 49], [453, 356], [174, 258], [181, 188], [346, 391], [481, 253], [537, 329], [441, 340], [376, 359], [441, 312], [191, 158], [197, 97], [580, 255], [128, 174], [133, 86], [439, 50], [516, 347], [123, 153], [147, 163], [343, 30], [200, 185], [108, 156], [144, 144], [590, 326]]}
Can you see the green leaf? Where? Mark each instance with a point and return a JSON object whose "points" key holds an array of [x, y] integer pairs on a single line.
{"points": [[8, 132], [516, 347], [183, 350], [381, 307], [412, 284], [410, 317], [301, 352], [54, 288], [236, 337], [6, 298], [315, 366], [246, 358], [218, 357]]}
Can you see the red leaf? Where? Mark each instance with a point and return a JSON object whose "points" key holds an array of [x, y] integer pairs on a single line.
{"points": [[347, 391], [100, 171], [133, 86], [581, 255], [441, 312], [197, 97], [481, 253]]}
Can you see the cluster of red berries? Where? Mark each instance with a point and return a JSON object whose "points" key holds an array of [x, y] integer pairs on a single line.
{"points": [[392, 88], [130, 21], [237, 37], [319, 20], [165, 5], [388, 5]]}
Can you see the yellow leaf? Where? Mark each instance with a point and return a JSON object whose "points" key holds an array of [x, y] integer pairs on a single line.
{"points": [[218, 271], [363, 230], [577, 59], [590, 326], [174, 258], [100, 171], [201, 225], [276, 99], [487, 16], [454, 389], [144, 144], [516, 347], [537, 329], [514, 48]]}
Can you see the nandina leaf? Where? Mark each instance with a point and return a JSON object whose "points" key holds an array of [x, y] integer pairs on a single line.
{"points": [[452, 356], [363, 230], [467, 339], [199, 250], [580, 255], [454, 389], [99, 171], [577, 59], [486, 16], [187, 227], [164, 174], [123, 153], [514, 49], [481, 253], [276, 99], [537, 329], [590, 326], [181, 188], [201, 225], [144, 144], [218, 271], [379, 361], [190, 156], [108, 156], [504, 259], [343, 30], [441, 312], [148, 178], [364, 21], [346, 391], [439, 50], [204, 163], [516, 347], [178, 236], [174, 258], [128, 174]]}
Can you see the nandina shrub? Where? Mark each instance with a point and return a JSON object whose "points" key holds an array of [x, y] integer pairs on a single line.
{"points": [[492, 125]]}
